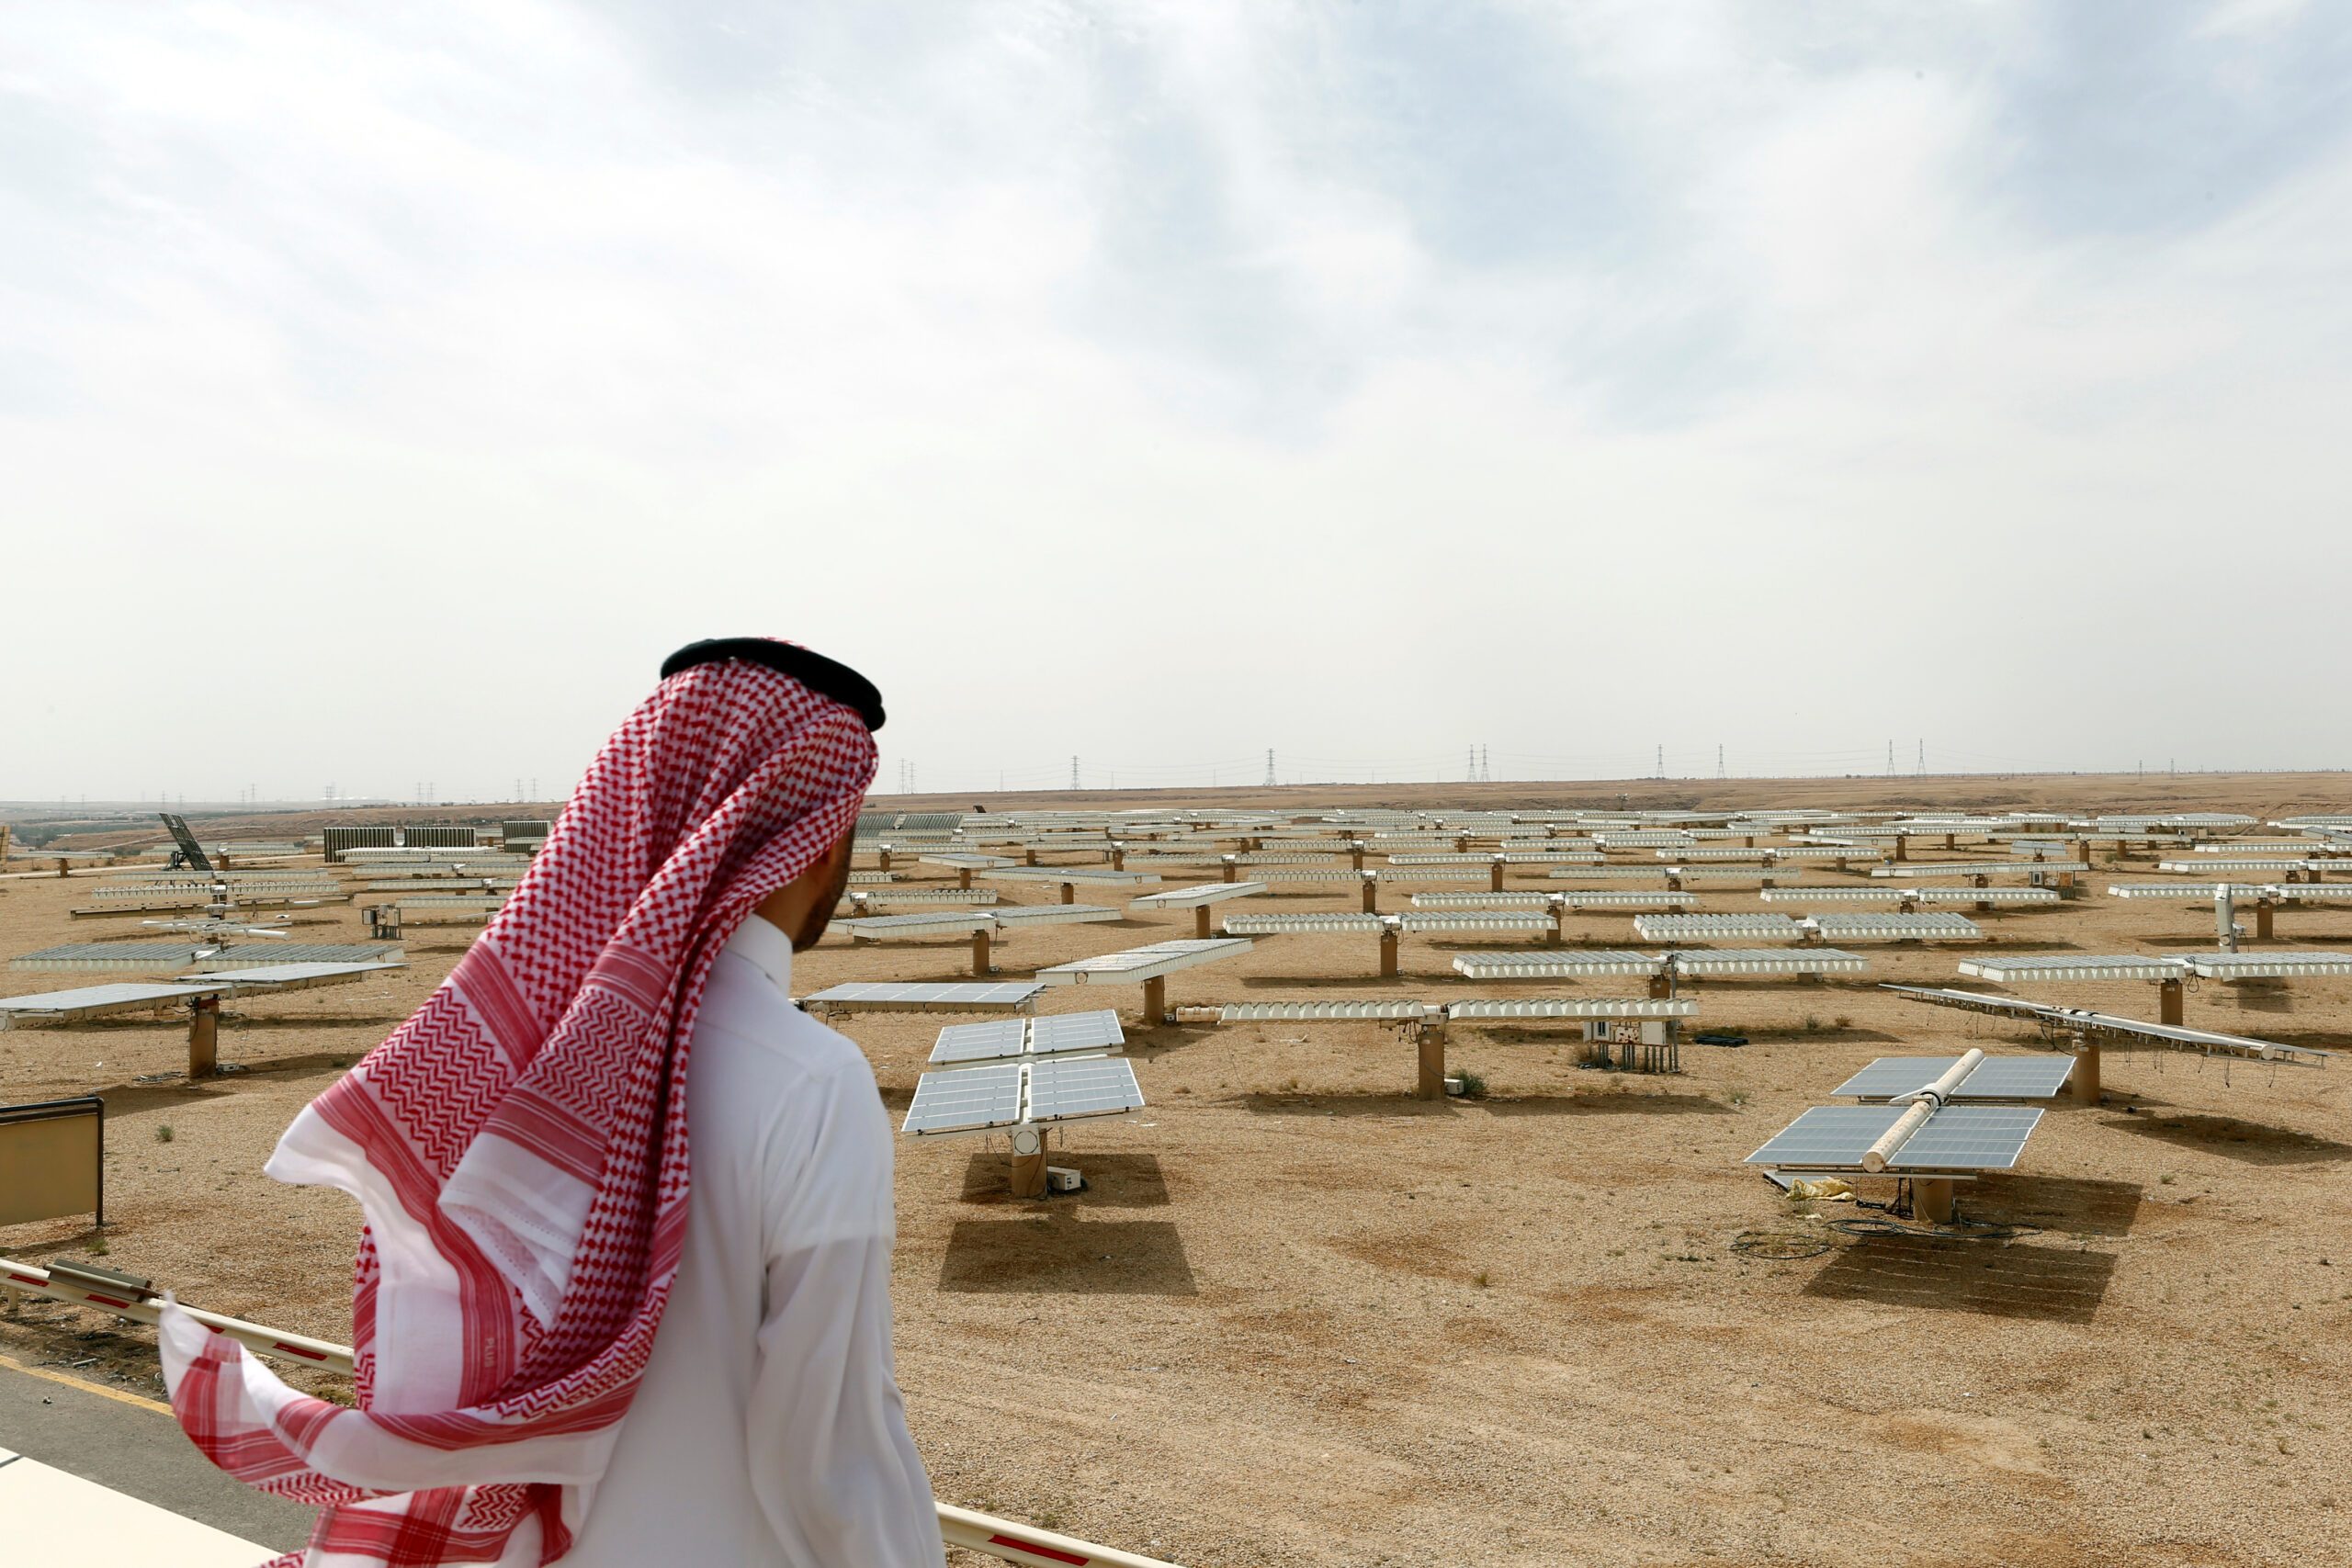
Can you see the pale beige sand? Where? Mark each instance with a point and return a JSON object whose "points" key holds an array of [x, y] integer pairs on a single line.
{"points": [[1298, 1317]]}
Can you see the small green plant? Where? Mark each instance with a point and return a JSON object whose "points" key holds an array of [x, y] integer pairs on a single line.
{"points": [[1480, 1279], [1736, 1096], [163, 1132], [1844, 1021], [99, 1248], [1474, 1085], [1813, 1024], [2164, 1180]]}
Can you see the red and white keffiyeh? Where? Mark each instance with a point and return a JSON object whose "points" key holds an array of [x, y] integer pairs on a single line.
{"points": [[519, 1149]]}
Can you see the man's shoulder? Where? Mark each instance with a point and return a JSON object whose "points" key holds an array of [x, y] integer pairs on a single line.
{"points": [[747, 1020]]}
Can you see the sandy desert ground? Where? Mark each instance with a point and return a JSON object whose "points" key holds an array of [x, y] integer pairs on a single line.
{"points": [[1297, 1316]]}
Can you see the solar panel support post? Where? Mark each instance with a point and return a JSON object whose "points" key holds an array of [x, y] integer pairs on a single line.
{"points": [[1200, 922], [2169, 1008], [2225, 919], [1069, 892], [1155, 1002], [1118, 856], [1558, 935], [2083, 1080], [981, 966], [1355, 853], [2264, 909], [963, 877], [882, 857], [1899, 853], [1029, 855], [1931, 1200], [1430, 1081], [1232, 864], [1495, 875], [1371, 894], [203, 1036], [1028, 1162]]}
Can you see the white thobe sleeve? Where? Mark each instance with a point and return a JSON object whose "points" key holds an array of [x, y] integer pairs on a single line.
{"points": [[832, 1464]]}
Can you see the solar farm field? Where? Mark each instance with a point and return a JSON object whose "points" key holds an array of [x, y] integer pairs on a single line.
{"points": [[1298, 1316]]}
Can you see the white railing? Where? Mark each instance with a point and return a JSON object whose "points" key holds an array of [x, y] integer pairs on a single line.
{"points": [[984, 1533]]}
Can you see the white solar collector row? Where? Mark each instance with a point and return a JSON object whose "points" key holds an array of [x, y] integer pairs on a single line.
{"points": [[1194, 896], [1138, 965], [2075, 1019]]}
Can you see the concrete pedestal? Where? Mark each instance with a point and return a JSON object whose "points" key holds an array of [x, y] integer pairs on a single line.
{"points": [[1931, 1202], [1388, 945], [1200, 922], [204, 1037], [1028, 1163], [1155, 1002], [1430, 1083], [2085, 1081], [2170, 1004], [981, 966]]}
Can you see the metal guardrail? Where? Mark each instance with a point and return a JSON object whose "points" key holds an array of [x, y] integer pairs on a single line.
{"points": [[1002, 1539]]}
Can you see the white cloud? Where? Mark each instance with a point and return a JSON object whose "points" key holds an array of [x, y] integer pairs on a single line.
{"points": [[1162, 383]]}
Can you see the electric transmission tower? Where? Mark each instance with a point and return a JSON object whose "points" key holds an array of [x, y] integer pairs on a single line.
{"points": [[1073, 773], [1269, 764]]}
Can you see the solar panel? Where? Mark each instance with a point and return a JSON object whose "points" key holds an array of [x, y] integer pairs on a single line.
{"points": [[871, 996], [2277, 965], [2108, 966], [1065, 1090], [189, 848], [117, 956], [968, 1101], [1674, 928], [1607, 872], [878, 925], [1968, 1137], [1059, 1033], [888, 897], [1053, 914], [295, 977], [1957, 1138], [1978, 868], [1276, 925], [1491, 900], [1571, 1007], [1192, 897], [1474, 920], [1769, 960], [86, 1001], [1995, 1077], [1321, 1012], [1897, 928], [1137, 965], [986, 1042], [1556, 965]]}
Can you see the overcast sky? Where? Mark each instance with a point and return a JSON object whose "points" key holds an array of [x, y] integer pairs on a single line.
{"points": [[384, 390]]}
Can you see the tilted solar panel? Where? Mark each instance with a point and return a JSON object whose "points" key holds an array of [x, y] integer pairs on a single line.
{"points": [[1995, 1077], [966, 1101], [1060, 1032], [1968, 1137], [996, 1039], [1062, 1090]]}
